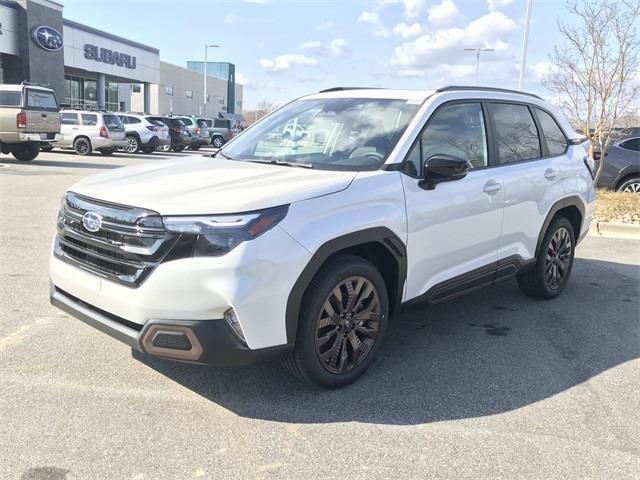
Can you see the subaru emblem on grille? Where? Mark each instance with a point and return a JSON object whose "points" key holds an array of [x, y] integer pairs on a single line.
{"points": [[91, 221]]}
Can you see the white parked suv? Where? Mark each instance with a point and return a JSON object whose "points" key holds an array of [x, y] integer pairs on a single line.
{"points": [[306, 250], [87, 130], [144, 133]]}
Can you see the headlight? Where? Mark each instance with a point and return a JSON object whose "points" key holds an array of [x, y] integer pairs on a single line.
{"points": [[216, 235]]}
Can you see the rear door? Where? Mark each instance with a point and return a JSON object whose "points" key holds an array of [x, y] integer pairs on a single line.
{"points": [[532, 177], [114, 125], [42, 110], [70, 123]]}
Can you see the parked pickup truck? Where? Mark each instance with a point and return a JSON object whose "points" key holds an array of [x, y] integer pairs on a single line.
{"points": [[29, 118]]}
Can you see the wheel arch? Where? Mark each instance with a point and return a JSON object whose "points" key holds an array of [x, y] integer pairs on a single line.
{"points": [[625, 175], [378, 245], [73, 144], [572, 208]]}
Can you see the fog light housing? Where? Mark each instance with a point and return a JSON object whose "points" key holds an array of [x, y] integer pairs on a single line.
{"points": [[232, 320]]}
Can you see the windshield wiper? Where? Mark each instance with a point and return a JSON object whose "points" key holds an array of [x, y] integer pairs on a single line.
{"points": [[227, 157], [275, 161]]}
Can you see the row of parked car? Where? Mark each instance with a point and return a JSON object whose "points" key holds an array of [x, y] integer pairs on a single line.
{"points": [[86, 131]]}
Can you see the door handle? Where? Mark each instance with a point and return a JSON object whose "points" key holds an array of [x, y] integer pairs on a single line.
{"points": [[43, 115], [491, 187], [550, 173]]}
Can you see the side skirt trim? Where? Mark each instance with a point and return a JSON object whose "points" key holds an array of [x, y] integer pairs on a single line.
{"points": [[477, 279]]}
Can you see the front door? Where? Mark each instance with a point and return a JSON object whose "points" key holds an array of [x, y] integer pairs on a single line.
{"points": [[454, 229]]}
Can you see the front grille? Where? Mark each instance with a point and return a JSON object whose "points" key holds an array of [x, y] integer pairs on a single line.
{"points": [[128, 245]]}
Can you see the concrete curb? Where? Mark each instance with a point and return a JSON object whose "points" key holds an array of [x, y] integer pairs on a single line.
{"points": [[615, 230]]}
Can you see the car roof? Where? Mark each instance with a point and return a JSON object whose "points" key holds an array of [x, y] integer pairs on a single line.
{"points": [[462, 91]]}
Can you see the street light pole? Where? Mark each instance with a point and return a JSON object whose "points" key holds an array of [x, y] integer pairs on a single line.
{"points": [[478, 50], [204, 98], [525, 43]]}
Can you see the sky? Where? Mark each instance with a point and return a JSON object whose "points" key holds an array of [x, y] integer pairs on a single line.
{"points": [[284, 48]]}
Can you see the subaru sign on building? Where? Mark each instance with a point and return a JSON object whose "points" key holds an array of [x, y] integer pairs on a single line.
{"points": [[91, 68]]}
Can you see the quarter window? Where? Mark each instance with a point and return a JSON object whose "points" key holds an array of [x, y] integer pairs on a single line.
{"points": [[556, 141], [457, 130], [69, 118], [515, 133]]}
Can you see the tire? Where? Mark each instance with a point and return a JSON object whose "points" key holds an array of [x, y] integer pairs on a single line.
{"points": [[194, 147], [107, 151], [148, 150], [217, 141], [82, 146], [631, 185], [47, 148], [341, 366], [133, 144], [25, 152], [178, 149], [555, 257]]}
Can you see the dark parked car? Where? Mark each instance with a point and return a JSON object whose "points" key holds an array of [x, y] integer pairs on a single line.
{"points": [[180, 137], [622, 164]]}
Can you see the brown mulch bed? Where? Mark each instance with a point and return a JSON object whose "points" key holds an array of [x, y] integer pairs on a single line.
{"points": [[617, 207]]}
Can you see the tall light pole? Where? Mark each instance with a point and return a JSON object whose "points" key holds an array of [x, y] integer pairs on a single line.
{"points": [[204, 100], [525, 43], [478, 50]]}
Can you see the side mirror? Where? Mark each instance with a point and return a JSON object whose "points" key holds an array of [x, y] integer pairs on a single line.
{"points": [[443, 168]]}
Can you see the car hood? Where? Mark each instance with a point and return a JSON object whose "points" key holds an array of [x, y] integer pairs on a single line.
{"points": [[210, 185]]}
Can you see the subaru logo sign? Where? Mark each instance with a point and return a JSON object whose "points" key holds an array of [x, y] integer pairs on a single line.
{"points": [[91, 221], [47, 38]]}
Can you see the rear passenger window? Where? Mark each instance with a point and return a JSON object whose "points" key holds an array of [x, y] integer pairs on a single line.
{"points": [[515, 133], [133, 120], [456, 130], [69, 118], [556, 141], [89, 119], [631, 144], [186, 121]]}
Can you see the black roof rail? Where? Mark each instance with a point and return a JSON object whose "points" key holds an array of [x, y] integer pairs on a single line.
{"points": [[342, 89], [453, 88]]}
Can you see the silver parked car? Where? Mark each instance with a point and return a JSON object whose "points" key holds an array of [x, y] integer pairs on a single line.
{"points": [[85, 131], [143, 133], [220, 131], [199, 135]]}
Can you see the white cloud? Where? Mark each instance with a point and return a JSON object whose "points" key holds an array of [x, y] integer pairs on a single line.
{"points": [[240, 78], [442, 49], [496, 4], [326, 26], [369, 17], [336, 48], [285, 62], [412, 8], [444, 13], [405, 30]]}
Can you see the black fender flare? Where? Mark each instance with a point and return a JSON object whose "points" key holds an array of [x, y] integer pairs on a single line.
{"points": [[380, 235], [572, 201]]}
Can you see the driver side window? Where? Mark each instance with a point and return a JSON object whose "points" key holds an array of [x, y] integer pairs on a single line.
{"points": [[456, 130]]}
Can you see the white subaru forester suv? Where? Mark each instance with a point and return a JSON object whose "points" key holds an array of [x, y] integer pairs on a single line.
{"points": [[304, 248]]}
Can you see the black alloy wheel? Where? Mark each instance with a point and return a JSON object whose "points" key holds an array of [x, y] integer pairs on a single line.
{"points": [[341, 324], [558, 258], [347, 325], [548, 277]]}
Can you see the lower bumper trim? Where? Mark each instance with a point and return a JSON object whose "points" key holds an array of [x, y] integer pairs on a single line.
{"points": [[212, 342]]}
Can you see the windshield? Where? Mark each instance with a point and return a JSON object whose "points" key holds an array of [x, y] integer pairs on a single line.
{"points": [[332, 134]]}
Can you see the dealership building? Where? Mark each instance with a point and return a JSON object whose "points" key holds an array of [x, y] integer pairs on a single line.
{"points": [[90, 68]]}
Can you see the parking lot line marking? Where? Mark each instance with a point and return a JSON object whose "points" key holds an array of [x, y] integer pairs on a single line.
{"points": [[22, 333]]}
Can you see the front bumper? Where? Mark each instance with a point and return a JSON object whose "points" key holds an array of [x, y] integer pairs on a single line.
{"points": [[206, 342]]}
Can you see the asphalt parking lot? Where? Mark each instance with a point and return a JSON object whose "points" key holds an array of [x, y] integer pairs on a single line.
{"points": [[492, 385]]}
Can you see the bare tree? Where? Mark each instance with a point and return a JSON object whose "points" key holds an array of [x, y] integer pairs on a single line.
{"points": [[595, 71], [262, 108]]}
